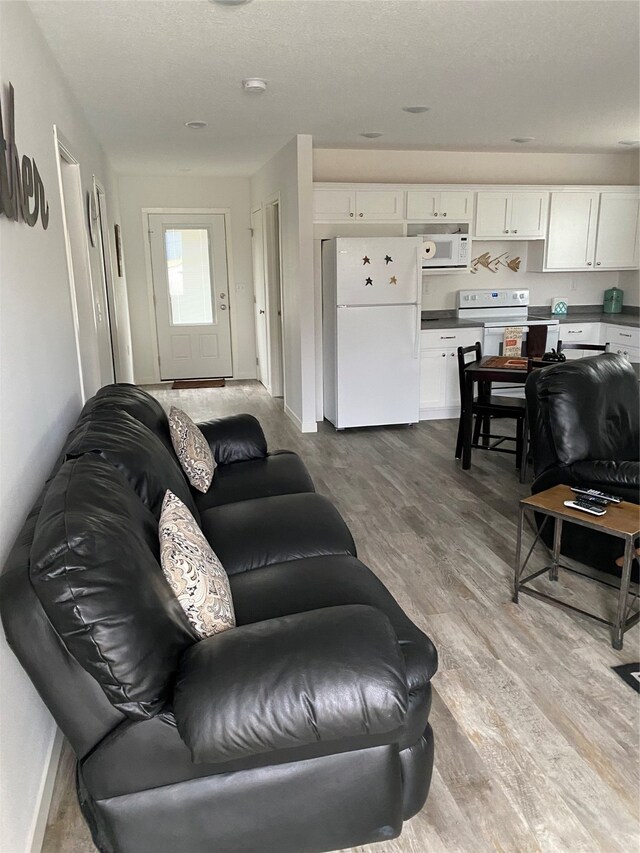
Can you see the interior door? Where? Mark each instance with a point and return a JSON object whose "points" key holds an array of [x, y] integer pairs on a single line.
{"points": [[260, 300], [191, 295]]}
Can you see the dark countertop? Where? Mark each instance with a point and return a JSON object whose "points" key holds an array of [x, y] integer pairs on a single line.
{"points": [[580, 314]]}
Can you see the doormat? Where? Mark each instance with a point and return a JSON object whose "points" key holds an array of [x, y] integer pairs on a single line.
{"points": [[197, 383], [629, 672]]}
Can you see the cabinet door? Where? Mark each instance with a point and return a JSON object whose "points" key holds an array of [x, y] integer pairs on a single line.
{"points": [[632, 354], [333, 205], [617, 241], [528, 214], [455, 205], [380, 205], [433, 374], [493, 214], [572, 231], [422, 204], [452, 379]]}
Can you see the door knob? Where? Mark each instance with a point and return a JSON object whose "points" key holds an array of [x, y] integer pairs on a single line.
{"points": [[261, 311]]}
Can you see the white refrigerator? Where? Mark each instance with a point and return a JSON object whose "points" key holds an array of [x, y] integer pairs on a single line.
{"points": [[371, 295]]}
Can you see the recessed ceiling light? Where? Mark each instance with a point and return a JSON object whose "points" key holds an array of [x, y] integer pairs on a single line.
{"points": [[631, 143], [231, 2], [372, 135], [416, 109], [254, 85], [195, 125], [522, 139]]}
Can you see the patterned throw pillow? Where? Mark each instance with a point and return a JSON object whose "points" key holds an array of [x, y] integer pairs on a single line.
{"points": [[193, 570], [191, 449]]}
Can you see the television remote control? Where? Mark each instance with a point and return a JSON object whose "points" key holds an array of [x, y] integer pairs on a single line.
{"points": [[594, 493], [585, 506], [596, 501]]}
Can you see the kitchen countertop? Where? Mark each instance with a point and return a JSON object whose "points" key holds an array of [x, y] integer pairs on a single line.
{"points": [[589, 314]]}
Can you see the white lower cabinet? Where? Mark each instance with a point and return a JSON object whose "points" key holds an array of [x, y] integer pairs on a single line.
{"points": [[580, 333], [624, 340], [439, 383]]}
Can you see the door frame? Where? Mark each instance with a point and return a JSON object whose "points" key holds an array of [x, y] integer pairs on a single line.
{"points": [[169, 211], [275, 339], [106, 261], [266, 367]]}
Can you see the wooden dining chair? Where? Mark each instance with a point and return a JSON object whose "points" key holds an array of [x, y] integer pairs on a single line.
{"points": [[485, 407], [589, 347]]}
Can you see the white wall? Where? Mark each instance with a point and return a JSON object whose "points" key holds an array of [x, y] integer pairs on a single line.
{"points": [[289, 175], [137, 193], [471, 167], [39, 377]]}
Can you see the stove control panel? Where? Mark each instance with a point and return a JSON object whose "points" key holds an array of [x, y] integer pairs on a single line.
{"points": [[492, 298]]}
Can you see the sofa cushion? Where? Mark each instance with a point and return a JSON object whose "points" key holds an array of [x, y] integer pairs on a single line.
{"points": [[137, 403], [193, 452], [95, 568], [193, 571], [255, 533], [325, 675], [279, 473], [137, 452]]}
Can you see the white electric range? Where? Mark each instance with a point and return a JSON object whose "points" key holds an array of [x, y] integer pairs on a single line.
{"points": [[496, 310]]}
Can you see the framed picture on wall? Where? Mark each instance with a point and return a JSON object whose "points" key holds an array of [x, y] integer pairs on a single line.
{"points": [[118, 250]]}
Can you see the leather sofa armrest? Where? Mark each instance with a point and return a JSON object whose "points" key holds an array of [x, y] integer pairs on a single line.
{"points": [[619, 478], [237, 438], [323, 675]]}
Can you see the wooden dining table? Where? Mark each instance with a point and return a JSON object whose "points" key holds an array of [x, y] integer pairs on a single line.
{"points": [[495, 368]]}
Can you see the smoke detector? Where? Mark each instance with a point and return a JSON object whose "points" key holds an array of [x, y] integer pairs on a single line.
{"points": [[254, 85]]}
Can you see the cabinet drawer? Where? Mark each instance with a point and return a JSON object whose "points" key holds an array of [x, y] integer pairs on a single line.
{"points": [[579, 333], [622, 336], [448, 338]]}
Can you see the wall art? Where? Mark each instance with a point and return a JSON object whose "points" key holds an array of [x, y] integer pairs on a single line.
{"points": [[493, 264], [22, 194]]}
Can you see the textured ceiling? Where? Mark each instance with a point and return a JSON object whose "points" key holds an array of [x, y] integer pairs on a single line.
{"points": [[563, 71]]}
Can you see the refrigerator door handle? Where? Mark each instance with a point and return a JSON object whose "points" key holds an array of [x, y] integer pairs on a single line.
{"points": [[416, 346]]}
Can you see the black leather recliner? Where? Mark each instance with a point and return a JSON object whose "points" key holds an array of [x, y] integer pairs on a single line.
{"points": [[583, 419], [303, 729]]}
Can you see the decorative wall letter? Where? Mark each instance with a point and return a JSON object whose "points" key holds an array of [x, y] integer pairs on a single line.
{"points": [[20, 183]]}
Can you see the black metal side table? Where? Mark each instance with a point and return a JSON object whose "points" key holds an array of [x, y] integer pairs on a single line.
{"points": [[621, 520]]}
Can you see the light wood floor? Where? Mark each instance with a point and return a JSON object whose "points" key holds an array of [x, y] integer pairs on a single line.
{"points": [[536, 737]]}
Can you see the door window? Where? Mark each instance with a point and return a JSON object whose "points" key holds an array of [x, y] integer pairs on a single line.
{"points": [[189, 276]]}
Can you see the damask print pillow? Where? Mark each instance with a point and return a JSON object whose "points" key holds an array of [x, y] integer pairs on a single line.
{"points": [[192, 450], [193, 570]]}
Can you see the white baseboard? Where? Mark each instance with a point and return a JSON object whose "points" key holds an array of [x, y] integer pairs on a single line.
{"points": [[439, 414], [307, 426], [46, 792]]}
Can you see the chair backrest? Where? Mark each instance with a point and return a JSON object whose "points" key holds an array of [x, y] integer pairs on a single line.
{"points": [[476, 349], [590, 347], [583, 410]]}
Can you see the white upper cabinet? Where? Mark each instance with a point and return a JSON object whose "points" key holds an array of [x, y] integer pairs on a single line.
{"points": [[426, 205], [571, 243], [511, 215], [617, 237], [338, 205]]}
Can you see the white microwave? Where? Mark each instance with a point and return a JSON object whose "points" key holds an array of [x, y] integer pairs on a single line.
{"points": [[445, 251]]}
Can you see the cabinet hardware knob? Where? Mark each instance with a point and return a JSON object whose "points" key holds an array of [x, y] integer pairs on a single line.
{"points": [[506, 230], [588, 263], [351, 214], [515, 231], [598, 263], [360, 214], [444, 214], [444, 355], [261, 311], [435, 214], [223, 307]]}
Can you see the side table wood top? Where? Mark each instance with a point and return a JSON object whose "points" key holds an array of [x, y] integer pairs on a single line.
{"points": [[621, 520]]}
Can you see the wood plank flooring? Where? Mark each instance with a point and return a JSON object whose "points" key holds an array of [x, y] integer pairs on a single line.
{"points": [[537, 740]]}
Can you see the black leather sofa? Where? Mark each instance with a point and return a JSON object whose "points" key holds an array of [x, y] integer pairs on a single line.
{"points": [[583, 420], [303, 729]]}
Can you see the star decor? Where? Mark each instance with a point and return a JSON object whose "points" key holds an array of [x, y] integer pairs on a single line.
{"points": [[393, 280], [368, 281], [365, 260], [388, 259]]}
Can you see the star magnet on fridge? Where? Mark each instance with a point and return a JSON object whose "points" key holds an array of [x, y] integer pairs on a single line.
{"points": [[388, 259], [393, 280], [368, 281], [365, 260]]}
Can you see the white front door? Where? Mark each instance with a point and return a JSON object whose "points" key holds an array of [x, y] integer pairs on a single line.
{"points": [[191, 294]]}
